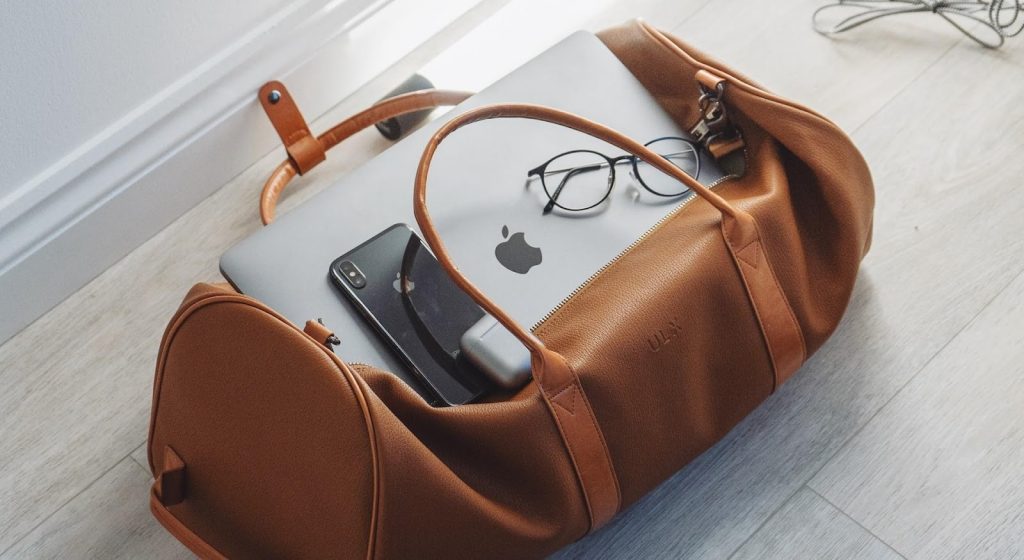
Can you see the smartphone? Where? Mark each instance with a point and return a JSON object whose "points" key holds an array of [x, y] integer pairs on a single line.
{"points": [[400, 289]]}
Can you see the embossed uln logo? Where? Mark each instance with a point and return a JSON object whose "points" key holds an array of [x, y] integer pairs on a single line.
{"points": [[664, 335]]}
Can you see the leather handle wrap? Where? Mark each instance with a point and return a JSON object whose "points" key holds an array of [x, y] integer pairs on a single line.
{"points": [[382, 110]]}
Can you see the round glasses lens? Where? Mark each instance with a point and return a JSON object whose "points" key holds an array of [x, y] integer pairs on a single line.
{"points": [[578, 180], [677, 151]]}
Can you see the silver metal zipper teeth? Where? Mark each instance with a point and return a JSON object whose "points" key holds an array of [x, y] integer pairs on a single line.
{"points": [[628, 248]]}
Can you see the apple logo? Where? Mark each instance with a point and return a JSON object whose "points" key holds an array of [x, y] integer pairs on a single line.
{"points": [[398, 284], [515, 253]]}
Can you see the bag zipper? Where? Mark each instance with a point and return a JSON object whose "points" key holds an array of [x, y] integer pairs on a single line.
{"points": [[615, 259], [629, 248], [712, 126]]}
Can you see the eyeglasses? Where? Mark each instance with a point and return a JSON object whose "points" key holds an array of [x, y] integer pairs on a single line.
{"points": [[576, 181]]}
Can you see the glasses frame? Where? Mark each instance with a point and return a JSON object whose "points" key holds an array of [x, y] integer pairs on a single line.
{"points": [[541, 171]]}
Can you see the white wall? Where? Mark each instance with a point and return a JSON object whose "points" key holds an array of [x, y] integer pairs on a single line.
{"points": [[73, 69], [117, 116]]}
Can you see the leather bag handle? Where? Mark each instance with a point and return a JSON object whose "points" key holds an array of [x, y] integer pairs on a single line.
{"points": [[562, 391], [778, 323], [558, 383], [739, 225], [380, 111]]}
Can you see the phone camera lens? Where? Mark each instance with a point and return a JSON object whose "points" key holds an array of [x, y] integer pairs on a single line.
{"points": [[352, 274]]}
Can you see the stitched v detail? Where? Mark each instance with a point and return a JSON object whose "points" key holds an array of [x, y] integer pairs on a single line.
{"points": [[566, 399], [749, 254]]}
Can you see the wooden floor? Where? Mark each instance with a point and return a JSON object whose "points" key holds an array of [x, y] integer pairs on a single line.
{"points": [[902, 437]]}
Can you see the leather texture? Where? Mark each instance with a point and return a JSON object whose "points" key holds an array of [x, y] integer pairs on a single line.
{"points": [[304, 151], [170, 483], [285, 450], [319, 332]]}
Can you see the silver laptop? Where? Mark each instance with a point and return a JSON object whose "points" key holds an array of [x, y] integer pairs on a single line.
{"points": [[479, 199]]}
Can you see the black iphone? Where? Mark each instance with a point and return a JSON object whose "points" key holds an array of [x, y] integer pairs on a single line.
{"points": [[401, 290]]}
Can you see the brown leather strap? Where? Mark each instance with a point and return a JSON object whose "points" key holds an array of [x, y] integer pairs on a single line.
{"points": [[194, 542], [302, 155], [171, 480], [559, 384], [169, 490], [303, 149], [781, 331], [582, 435]]}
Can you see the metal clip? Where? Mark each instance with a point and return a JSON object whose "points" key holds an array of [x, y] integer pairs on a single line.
{"points": [[332, 340], [715, 130], [714, 124]]}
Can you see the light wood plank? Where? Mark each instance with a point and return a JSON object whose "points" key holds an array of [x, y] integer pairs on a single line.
{"points": [[516, 34], [847, 78], [140, 457], [67, 413], [77, 382], [945, 157], [807, 526], [110, 519], [938, 473]]}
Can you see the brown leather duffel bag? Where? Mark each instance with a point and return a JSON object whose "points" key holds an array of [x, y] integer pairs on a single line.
{"points": [[264, 443]]}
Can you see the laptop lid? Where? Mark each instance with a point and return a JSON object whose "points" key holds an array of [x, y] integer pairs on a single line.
{"points": [[490, 217]]}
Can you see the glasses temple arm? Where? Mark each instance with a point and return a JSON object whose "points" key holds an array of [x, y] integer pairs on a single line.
{"points": [[561, 184]]}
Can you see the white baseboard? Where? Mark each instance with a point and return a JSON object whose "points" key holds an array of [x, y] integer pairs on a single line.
{"points": [[71, 222]]}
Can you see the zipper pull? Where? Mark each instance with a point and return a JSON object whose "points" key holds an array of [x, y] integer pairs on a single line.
{"points": [[714, 130], [321, 334]]}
